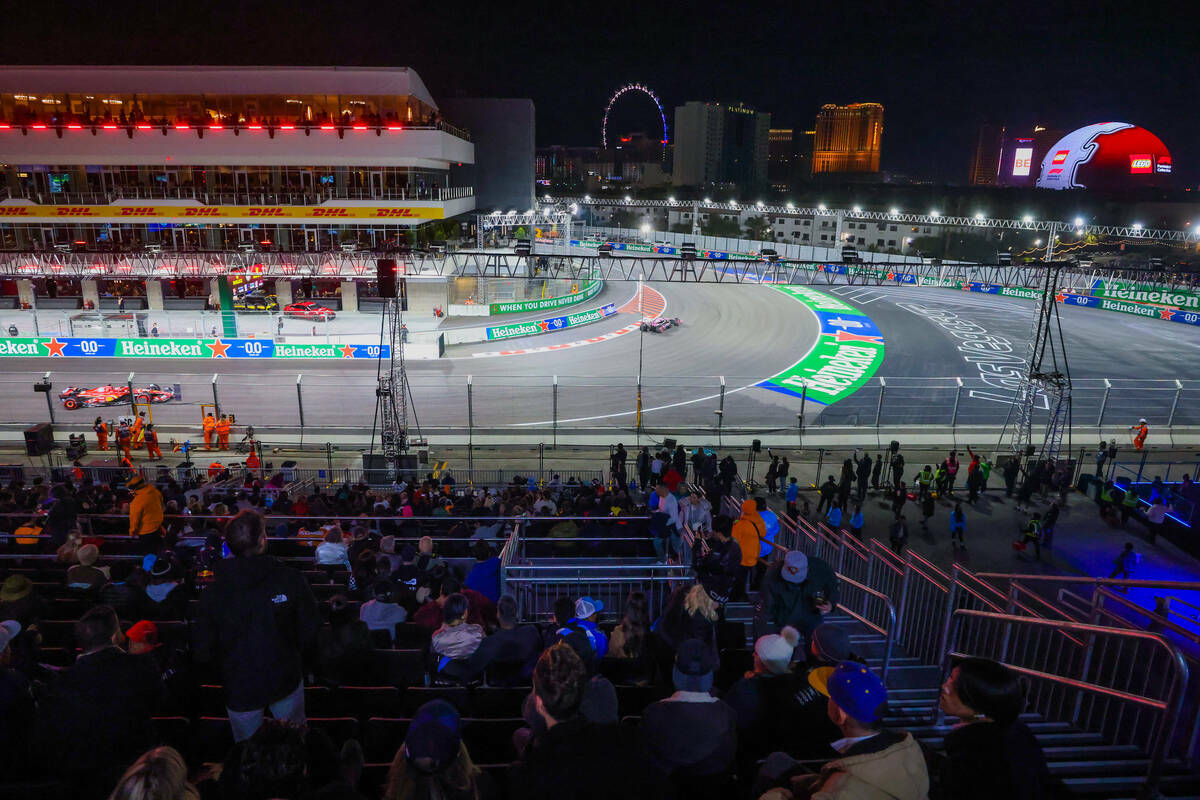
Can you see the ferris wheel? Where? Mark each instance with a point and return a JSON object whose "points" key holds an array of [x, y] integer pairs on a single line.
{"points": [[633, 87]]}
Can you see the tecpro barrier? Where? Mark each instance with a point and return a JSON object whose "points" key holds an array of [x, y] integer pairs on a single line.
{"points": [[589, 290], [533, 328], [64, 347]]}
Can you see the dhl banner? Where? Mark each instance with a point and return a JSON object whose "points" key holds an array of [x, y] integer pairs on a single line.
{"points": [[224, 213]]}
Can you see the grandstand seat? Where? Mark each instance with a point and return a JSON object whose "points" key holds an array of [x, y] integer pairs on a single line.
{"points": [[731, 635], [496, 702], [57, 632], [212, 739], [339, 728], [410, 635], [632, 699], [319, 700], [489, 741], [417, 696], [507, 673], [381, 639], [36, 789], [365, 701], [382, 736], [401, 667], [374, 777], [735, 662], [57, 656], [173, 731]]}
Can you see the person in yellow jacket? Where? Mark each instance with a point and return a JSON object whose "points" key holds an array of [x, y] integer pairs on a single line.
{"points": [[747, 530], [145, 515], [210, 431]]}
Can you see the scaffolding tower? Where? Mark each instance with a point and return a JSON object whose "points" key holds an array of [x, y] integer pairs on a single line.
{"points": [[1046, 383], [392, 391]]}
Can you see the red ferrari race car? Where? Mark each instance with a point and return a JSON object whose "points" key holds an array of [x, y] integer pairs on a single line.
{"points": [[307, 309], [660, 324], [74, 397]]}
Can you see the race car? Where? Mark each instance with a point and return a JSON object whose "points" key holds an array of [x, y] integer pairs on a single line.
{"points": [[660, 324], [307, 309], [74, 397], [256, 302]]}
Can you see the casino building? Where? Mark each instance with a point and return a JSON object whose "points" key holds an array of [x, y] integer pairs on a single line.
{"points": [[121, 161]]}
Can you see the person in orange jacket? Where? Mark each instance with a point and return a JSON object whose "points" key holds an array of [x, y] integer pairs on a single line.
{"points": [[152, 450], [124, 440], [252, 461], [101, 433], [215, 469], [747, 531], [210, 431], [139, 427], [223, 433], [1139, 433]]}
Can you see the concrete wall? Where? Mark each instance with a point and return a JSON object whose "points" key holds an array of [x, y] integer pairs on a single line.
{"points": [[423, 295], [503, 133]]}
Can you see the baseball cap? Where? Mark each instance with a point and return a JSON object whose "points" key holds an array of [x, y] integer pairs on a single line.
{"points": [[135, 483], [144, 632], [694, 665], [8, 631], [586, 606], [795, 567], [434, 735], [832, 643], [87, 554], [854, 688]]}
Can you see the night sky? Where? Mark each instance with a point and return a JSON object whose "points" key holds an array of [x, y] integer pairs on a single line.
{"points": [[939, 69]]}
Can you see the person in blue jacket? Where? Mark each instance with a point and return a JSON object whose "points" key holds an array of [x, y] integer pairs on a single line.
{"points": [[586, 611]]}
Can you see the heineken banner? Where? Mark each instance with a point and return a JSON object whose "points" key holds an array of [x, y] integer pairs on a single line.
{"points": [[550, 325], [1146, 293], [848, 351], [587, 291], [72, 347]]}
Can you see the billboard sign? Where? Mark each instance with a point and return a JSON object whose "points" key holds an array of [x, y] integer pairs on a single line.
{"points": [[1022, 161], [1141, 163]]}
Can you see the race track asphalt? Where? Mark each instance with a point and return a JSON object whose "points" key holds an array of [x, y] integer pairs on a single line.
{"points": [[745, 333]]}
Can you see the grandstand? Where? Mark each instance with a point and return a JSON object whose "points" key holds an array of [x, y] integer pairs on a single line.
{"points": [[1112, 699]]}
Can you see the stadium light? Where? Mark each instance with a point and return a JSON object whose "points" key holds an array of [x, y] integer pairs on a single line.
{"points": [[858, 209], [820, 206], [934, 214], [1037, 242], [587, 198], [759, 204], [978, 215], [733, 202], [645, 228], [1079, 222], [792, 205], [628, 199], [671, 200], [894, 211], [1137, 226], [547, 198], [1027, 219], [708, 200]]}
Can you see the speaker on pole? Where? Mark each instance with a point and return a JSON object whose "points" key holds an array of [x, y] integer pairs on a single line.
{"points": [[385, 274]]}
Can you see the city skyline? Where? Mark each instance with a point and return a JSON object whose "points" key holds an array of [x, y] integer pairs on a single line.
{"points": [[940, 72]]}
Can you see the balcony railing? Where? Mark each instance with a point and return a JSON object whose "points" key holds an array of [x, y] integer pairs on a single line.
{"points": [[242, 198], [268, 129]]}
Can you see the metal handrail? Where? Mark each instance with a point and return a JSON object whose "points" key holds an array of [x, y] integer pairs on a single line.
{"points": [[1170, 707]]}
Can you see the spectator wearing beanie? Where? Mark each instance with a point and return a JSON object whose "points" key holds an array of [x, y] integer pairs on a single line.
{"points": [[691, 732], [763, 699], [574, 757], [86, 576]]}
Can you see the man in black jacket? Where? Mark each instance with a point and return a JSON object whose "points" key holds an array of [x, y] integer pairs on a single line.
{"points": [[95, 717], [574, 758], [256, 619]]}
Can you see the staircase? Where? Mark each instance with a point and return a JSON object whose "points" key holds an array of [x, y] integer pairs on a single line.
{"points": [[1086, 764]]}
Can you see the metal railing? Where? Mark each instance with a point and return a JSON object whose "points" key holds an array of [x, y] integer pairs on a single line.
{"points": [[1125, 685], [247, 197], [201, 126], [537, 586]]}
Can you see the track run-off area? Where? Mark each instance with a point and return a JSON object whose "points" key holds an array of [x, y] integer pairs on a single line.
{"points": [[846, 355]]}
